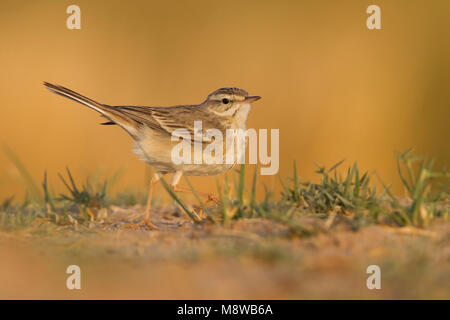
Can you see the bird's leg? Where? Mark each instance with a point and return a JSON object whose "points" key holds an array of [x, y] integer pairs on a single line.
{"points": [[146, 219], [174, 185]]}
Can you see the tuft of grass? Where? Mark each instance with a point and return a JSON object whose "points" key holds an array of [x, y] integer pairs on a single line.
{"points": [[6, 204], [353, 192], [84, 198], [31, 186], [423, 202], [15, 216], [19, 218], [238, 207]]}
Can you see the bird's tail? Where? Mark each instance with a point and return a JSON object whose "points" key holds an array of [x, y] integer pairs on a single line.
{"points": [[114, 116]]}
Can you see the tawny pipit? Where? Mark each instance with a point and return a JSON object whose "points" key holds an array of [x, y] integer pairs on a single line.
{"points": [[152, 129]]}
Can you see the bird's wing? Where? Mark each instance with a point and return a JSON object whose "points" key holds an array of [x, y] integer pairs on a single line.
{"points": [[142, 116], [176, 121]]}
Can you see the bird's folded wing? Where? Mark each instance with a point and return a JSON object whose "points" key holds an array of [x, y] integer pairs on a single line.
{"points": [[176, 121]]}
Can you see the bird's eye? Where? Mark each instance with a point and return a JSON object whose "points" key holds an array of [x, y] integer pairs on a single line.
{"points": [[225, 101]]}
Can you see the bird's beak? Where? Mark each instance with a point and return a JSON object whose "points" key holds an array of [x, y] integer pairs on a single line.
{"points": [[251, 99]]}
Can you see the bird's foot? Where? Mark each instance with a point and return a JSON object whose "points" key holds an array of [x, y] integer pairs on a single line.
{"points": [[212, 198], [147, 223]]}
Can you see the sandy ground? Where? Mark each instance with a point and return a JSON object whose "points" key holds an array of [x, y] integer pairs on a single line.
{"points": [[247, 259]]}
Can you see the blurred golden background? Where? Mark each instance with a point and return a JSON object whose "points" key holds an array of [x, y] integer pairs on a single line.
{"points": [[334, 88]]}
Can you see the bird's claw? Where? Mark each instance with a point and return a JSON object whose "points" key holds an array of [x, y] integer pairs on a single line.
{"points": [[147, 223]]}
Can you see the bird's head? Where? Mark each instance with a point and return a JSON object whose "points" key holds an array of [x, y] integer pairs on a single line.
{"points": [[230, 102]]}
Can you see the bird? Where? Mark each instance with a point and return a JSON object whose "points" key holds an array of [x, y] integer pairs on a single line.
{"points": [[153, 127]]}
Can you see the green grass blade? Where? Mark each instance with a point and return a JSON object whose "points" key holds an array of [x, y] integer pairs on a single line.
{"points": [[32, 187], [47, 197], [335, 166], [225, 201], [240, 191], [178, 200], [194, 192], [74, 186], [253, 194]]}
